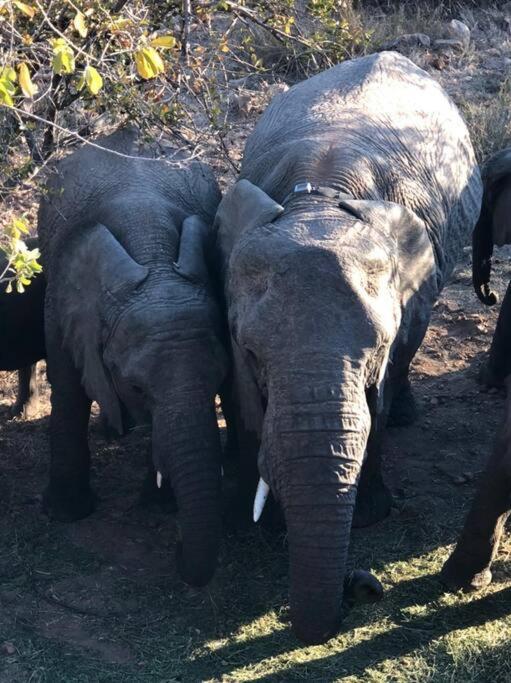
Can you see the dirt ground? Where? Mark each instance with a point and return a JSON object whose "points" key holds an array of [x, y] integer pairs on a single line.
{"points": [[100, 599]]}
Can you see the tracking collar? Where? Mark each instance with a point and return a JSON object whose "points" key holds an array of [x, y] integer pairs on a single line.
{"points": [[308, 188]]}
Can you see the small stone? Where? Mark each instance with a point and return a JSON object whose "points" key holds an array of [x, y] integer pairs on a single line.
{"points": [[7, 648], [459, 32]]}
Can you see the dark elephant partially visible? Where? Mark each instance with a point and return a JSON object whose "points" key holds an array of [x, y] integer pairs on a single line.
{"points": [[358, 191], [132, 321], [22, 337], [469, 566], [494, 227]]}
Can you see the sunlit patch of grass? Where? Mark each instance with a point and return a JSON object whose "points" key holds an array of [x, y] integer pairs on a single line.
{"points": [[418, 633]]}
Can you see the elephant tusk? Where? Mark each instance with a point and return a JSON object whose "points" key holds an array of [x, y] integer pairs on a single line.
{"points": [[158, 479], [261, 496]]}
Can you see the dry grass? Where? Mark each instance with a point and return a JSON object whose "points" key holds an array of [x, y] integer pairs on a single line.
{"points": [[489, 122]]}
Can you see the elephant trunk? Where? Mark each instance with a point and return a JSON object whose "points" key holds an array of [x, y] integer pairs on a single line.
{"points": [[482, 250], [186, 447], [322, 449]]}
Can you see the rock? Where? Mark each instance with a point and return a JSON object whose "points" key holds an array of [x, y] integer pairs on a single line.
{"points": [[457, 30], [408, 40], [448, 44]]}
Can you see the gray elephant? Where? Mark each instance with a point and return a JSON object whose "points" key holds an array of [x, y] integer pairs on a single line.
{"points": [[132, 321], [22, 337], [469, 566], [358, 191]]}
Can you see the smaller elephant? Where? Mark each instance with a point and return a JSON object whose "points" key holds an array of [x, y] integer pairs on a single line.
{"points": [[22, 338], [133, 321], [469, 565]]}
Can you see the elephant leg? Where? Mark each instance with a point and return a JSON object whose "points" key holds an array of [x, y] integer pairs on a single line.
{"points": [[498, 366], [374, 500], [68, 495], [403, 408], [469, 566], [27, 400], [153, 495]]}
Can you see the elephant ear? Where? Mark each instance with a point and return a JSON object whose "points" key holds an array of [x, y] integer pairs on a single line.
{"points": [[194, 247], [244, 207], [98, 275], [415, 258]]}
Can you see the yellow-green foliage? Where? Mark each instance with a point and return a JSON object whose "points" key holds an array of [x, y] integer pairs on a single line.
{"points": [[22, 263]]}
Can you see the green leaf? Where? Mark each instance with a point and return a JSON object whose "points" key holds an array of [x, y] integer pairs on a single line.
{"points": [[148, 62], [167, 41], [93, 80], [80, 25], [28, 88], [9, 74], [27, 10], [20, 227], [5, 95], [63, 57]]}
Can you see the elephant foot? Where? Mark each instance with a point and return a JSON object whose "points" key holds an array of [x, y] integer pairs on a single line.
{"points": [[459, 574], [403, 409], [373, 504], [67, 504], [152, 496], [360, 588], [487, 378]]}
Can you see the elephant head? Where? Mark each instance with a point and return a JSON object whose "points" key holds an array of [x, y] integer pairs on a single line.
{"points": [[494, 224], [149, 339], [316, 296]]}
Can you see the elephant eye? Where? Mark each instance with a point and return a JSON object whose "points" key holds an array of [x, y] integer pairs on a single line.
{"points": [[136, 389]]}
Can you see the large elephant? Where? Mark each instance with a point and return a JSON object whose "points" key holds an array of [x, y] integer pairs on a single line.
{"points": [[358, 191], [22, 337], [469, 566], [132, 321]]}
